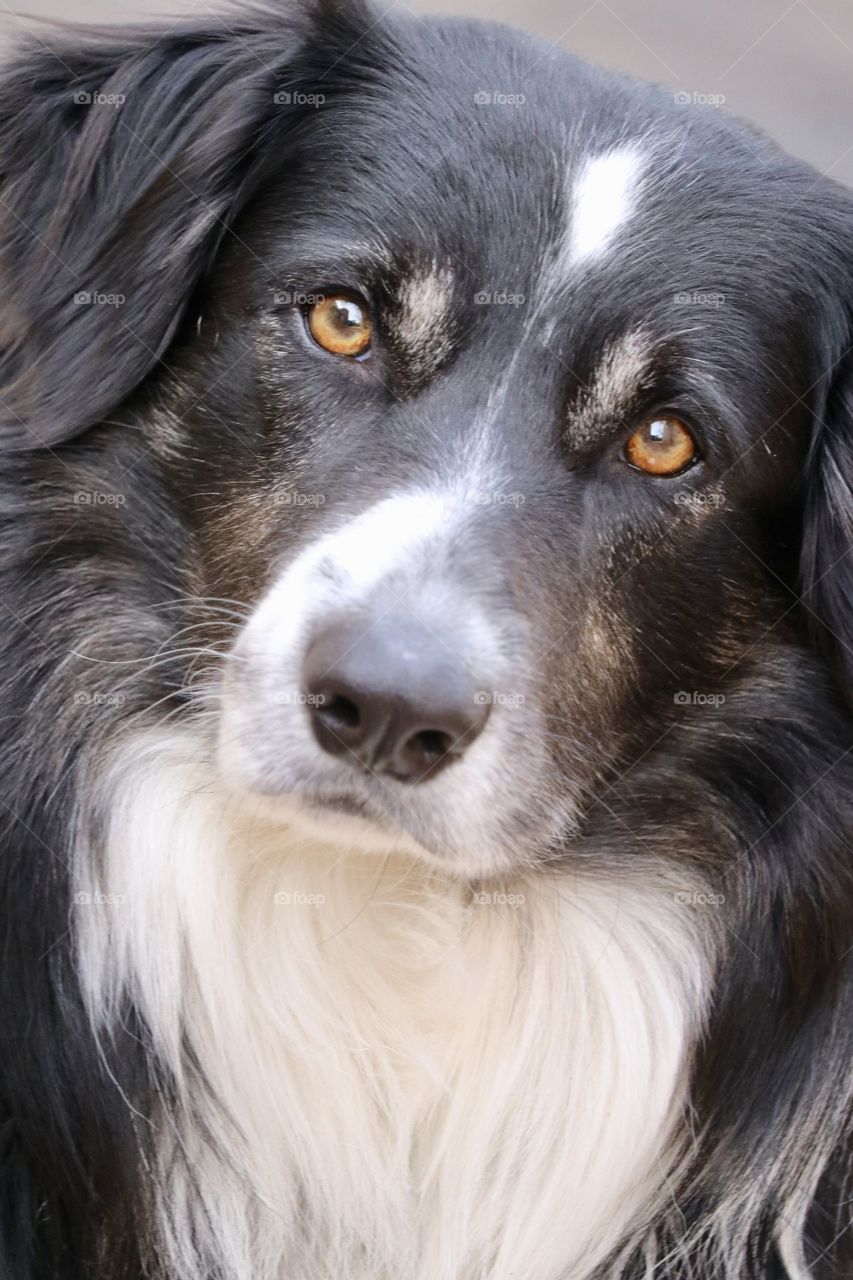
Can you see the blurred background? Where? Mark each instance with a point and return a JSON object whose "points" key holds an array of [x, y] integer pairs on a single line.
{"points": [[786, 66]]}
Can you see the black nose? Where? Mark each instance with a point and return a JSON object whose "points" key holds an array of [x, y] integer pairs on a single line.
{"points": [[391, 697]]}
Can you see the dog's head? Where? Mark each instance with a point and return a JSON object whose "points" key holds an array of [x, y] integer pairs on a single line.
{"points": [[505, 394]]}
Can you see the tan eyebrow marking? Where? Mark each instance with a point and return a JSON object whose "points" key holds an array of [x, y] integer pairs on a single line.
{"points": [[422, 321], [619, 375]]}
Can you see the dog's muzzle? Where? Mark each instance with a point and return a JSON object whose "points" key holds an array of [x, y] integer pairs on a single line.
{"points": [[386, 654]]}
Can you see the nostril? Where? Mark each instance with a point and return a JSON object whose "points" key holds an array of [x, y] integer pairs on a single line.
{"points": [[431, 745], [338, 712]]}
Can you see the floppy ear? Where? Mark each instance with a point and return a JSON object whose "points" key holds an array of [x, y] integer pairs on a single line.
{"points": [[828, 529], [123, 157]]}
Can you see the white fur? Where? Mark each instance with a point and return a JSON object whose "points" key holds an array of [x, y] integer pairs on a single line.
{"points": [[401, 1082], [369, 547], [603, 201]]}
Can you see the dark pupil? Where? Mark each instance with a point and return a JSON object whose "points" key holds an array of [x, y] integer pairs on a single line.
{"points": [[347, 314]]}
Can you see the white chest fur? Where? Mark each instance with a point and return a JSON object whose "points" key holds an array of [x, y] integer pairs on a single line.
{"points": [[402, 1079]]}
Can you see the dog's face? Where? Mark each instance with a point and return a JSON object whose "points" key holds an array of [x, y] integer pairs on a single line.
{"points": [[494, 414]]}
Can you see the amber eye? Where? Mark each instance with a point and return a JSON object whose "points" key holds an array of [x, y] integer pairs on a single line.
{"points": [[340, 324], [661, 447]]}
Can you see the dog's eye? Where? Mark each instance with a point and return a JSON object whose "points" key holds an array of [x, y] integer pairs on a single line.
{"points": [[341, 325], [662, 446]]}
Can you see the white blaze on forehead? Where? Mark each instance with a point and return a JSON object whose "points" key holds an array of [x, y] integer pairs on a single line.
{"points": [[602, 201]]}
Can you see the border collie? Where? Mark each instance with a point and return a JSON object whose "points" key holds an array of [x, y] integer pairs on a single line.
{"points": [[427, 848]]}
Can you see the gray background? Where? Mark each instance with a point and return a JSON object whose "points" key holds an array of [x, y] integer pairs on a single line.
{"points": [[787, 66]]}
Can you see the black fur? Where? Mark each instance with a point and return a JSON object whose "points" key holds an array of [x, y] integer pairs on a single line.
{"points": [[139, 435]]}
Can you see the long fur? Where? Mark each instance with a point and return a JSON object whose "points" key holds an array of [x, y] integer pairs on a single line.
{"points": [[298, 997], [581, 1007]]}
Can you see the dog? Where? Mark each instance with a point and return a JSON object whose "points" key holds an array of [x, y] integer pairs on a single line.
{"points": [[427, 582]]}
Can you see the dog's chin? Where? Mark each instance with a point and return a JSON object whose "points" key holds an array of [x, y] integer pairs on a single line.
{"points": [[345, 817], [347, 820], [340, 819]]}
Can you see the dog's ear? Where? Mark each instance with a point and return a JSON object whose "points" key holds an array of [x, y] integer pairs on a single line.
{"points": [[827, 551], [123, 156]]}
